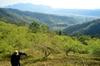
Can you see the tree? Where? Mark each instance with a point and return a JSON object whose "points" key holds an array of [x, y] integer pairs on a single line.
{"points": [[34, 26], [38, 27]]}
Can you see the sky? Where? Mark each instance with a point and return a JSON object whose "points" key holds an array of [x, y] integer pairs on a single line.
{"points": [[67, 4]]}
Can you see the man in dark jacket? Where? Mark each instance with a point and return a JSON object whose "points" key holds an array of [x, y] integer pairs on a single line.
{"points": [[15, 58]]}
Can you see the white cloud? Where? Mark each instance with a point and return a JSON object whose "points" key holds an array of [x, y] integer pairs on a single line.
{"points": [[73, 4]]}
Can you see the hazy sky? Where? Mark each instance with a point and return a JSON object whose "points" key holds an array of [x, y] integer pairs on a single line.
{"points": [[70, 4]]}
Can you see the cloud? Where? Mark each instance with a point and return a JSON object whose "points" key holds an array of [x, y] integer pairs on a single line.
{"points": [[10, 2], [6, 2], [83, 4], [73, 4]]}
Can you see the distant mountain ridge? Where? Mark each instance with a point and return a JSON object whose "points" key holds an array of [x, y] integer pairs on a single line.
{"points": [[89, 28], [57, 11], [30, 7]]}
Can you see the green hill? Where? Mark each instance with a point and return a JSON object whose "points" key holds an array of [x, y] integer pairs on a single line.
{"points": [[90, 28]]}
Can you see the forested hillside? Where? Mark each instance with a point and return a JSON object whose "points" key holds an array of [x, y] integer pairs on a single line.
{"points": [[91, 28], [44, 46]]}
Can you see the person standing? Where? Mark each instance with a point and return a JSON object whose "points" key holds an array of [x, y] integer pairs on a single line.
{"points": [[15, 58]]}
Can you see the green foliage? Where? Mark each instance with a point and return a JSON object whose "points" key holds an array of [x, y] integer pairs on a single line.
{"points": [[37, 41], [94, 46], [38, 27], [75, 46]]}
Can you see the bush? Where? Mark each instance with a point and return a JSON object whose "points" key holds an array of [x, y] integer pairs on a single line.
{"points": [[96, 52]]}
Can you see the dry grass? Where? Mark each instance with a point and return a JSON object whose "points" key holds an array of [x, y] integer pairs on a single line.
{"points": [[57, 61]]}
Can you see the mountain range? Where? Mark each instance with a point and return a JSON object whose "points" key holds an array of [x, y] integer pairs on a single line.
{"points": [[53, 21]]}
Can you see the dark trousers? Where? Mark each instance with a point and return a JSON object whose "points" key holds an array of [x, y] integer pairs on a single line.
{"points": [[15, 64]]}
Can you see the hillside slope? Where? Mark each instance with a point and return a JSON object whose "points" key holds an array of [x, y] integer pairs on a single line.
{"points": [[90, 28], [25, 16]]}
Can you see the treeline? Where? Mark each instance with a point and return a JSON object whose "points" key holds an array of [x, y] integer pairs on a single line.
{"points": [[38, 41]]}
